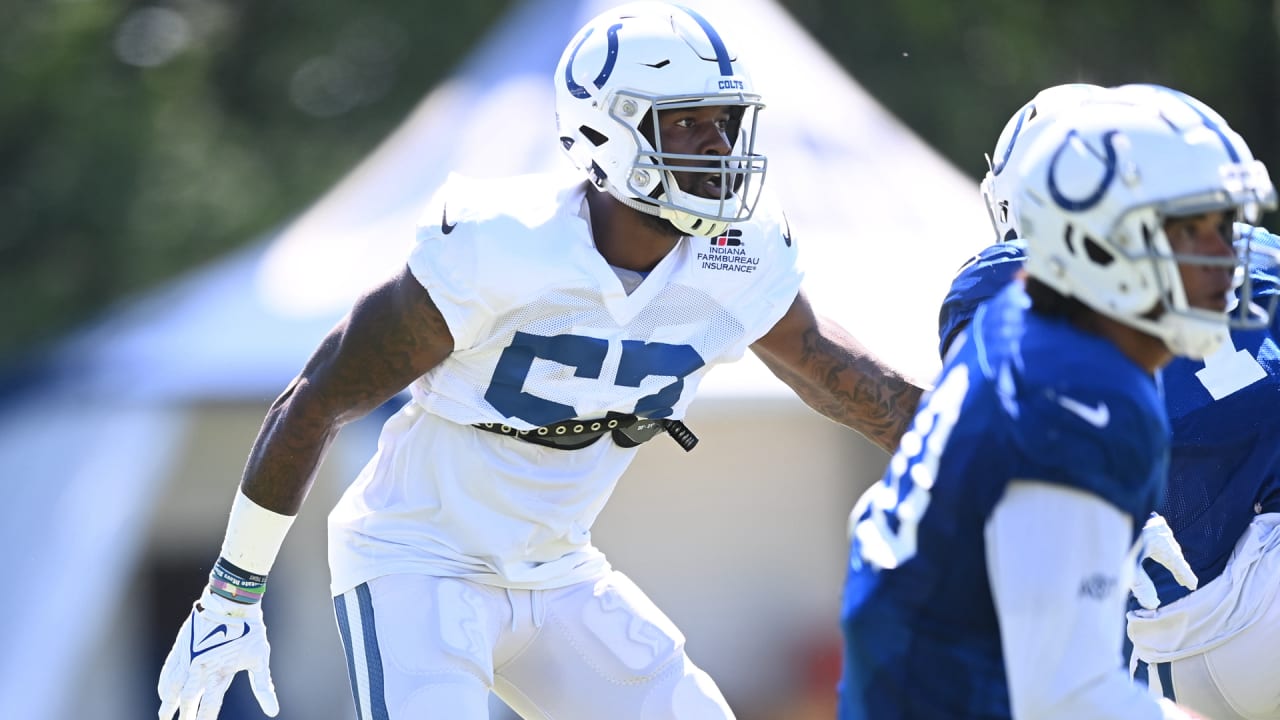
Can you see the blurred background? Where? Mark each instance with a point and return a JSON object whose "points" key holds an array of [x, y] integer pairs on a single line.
{"points": [[192, 192]]}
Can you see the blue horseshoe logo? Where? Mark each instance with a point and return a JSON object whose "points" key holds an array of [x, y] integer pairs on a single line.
{"points": [[574, 88], [1095, 197]]}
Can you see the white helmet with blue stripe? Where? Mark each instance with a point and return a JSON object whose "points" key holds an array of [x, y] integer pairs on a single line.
{"points": [[624, 67], [1096, 187]]}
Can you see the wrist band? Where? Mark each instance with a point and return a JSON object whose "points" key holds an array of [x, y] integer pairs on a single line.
{"points": [[254, 535], [236, 584], [253, 539]]}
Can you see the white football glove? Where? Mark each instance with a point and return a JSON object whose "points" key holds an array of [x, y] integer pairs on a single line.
{"points": [[1159, 544], [219, 639]]}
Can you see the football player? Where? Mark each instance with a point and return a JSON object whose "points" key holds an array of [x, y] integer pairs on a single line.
{"points": [[990, 568], [546, 326], [1215, 649]]}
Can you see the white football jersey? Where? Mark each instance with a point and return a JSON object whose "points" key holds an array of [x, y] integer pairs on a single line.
{"points": [[543, 331]]}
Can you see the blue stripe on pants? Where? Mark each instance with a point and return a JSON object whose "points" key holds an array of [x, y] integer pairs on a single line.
{"points": [[1140, 673], [1164, 671], [1166, 679], [340, 610], [373, 658]]}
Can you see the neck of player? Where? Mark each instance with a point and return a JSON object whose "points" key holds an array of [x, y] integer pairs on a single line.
{"points": [[628, 238], [1148, 351]]}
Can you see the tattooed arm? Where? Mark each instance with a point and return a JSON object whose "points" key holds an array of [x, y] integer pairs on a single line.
{"points": [[392, 335], [837, 376]]}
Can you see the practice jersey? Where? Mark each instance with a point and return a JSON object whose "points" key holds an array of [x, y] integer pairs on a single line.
{"points": [[1022, 397], [543, 332], [1225, 456]]}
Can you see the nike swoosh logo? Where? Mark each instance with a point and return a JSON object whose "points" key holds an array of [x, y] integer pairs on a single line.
{"points": [[1097, 416], [445, 226], [219, 630]]}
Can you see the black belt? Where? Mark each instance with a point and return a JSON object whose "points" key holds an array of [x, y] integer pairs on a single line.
{"points": [[627, 430]]}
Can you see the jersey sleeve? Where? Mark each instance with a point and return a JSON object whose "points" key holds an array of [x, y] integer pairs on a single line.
{"points": [[984, 275], [759, 284], [1092, 439], [781, 284], [445, 258], [1059, 568]]}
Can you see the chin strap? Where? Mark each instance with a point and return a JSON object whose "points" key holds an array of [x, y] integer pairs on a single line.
{"points": [[686, 223]]}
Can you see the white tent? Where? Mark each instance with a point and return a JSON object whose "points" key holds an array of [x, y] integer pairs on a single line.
{"points": [[130, 444]]}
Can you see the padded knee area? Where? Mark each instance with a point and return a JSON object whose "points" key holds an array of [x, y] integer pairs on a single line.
{"points": [[626, 636], [691, 696], [1224, 695], [434, 648], [445, 696], [1248, 682], [606, 651], [422, 642]]}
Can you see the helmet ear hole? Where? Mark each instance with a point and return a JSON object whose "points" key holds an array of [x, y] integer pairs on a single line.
{"points": [[647, 131], [1097, 254], [596, 137]]}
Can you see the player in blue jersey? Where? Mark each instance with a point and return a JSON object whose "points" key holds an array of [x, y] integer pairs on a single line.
{"points": [[545, 327], [1217, 649], [989, 569]]}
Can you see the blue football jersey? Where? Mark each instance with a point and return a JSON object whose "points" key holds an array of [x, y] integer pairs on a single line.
{"points": [[1225, 458], [1021, 397], [979, 279], [1225, 463]]}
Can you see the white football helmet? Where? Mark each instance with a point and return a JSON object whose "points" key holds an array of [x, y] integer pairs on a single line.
{"points": [[1096, 188], [618, 73], [1249, 309], [999, 190]]}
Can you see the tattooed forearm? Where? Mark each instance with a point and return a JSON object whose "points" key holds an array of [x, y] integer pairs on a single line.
{"points": [[391, 337], [835, 375]]}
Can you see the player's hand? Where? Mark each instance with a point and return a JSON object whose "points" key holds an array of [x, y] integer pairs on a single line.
{"points": [[1159, 544], [218, 639]]}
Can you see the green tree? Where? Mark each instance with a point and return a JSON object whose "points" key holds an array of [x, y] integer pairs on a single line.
{"points": [[140, 139]]}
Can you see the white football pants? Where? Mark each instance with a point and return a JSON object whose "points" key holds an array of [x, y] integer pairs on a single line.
{"points": [[421, 647], [1217, 650]]}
